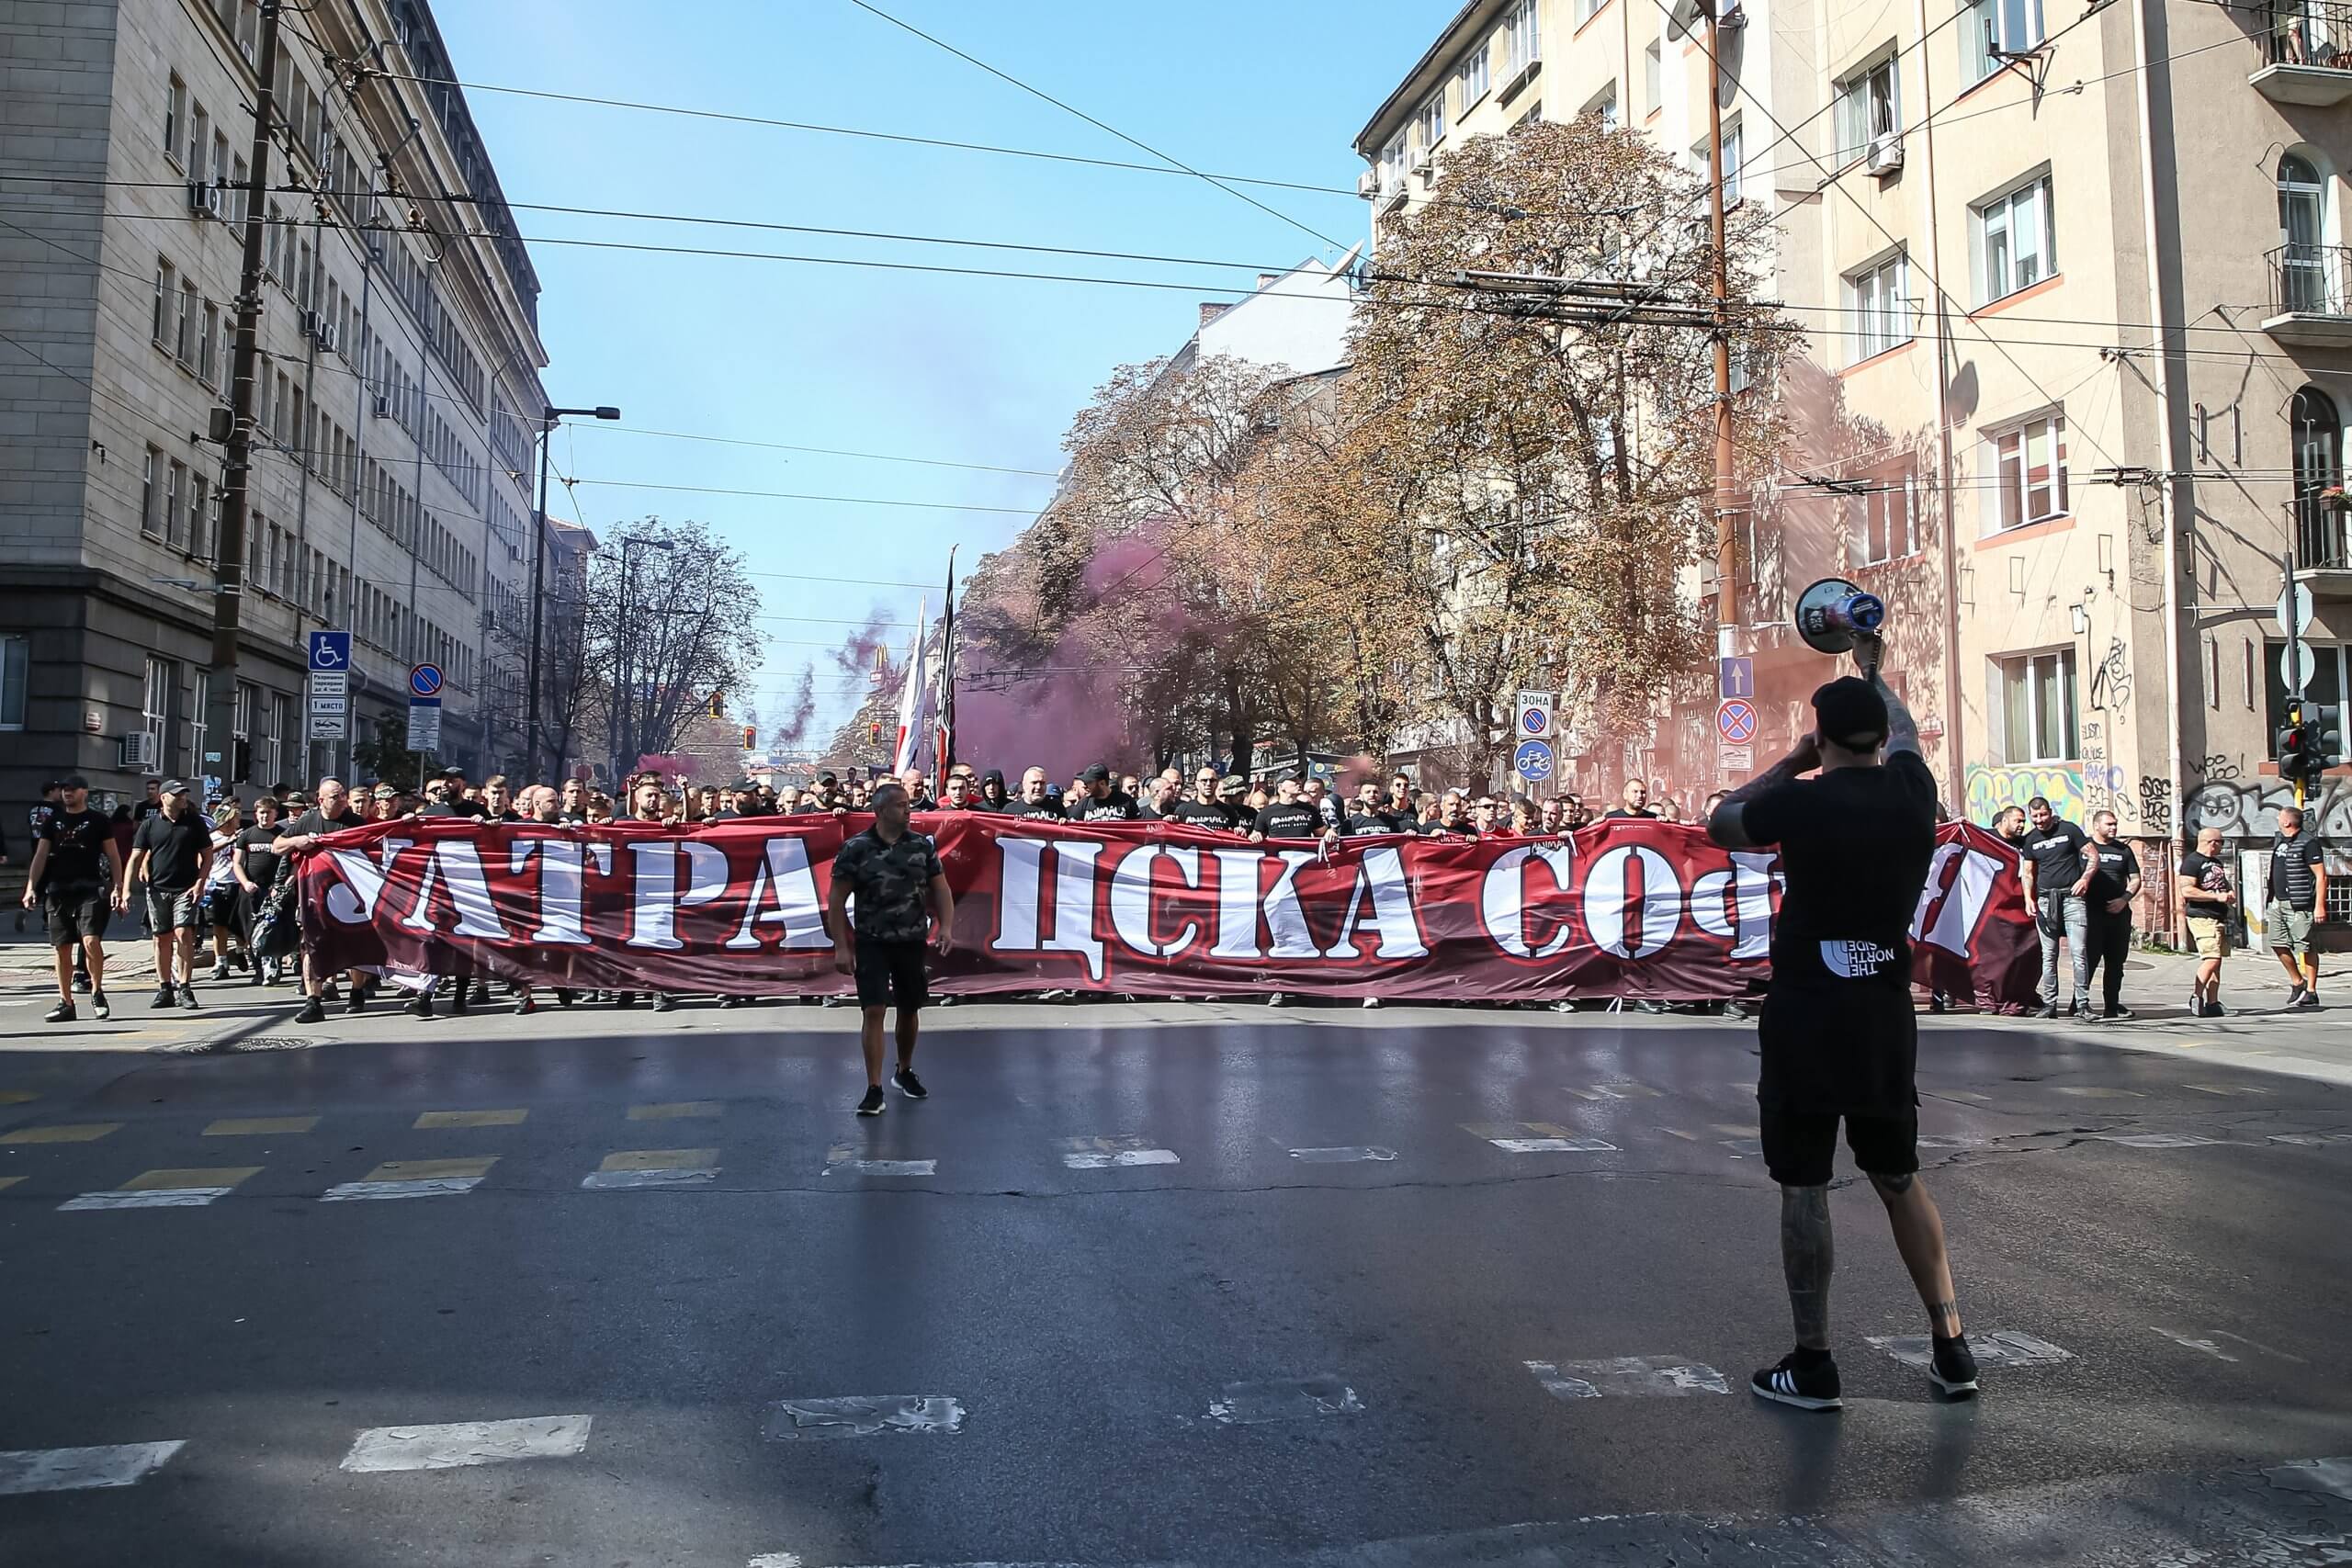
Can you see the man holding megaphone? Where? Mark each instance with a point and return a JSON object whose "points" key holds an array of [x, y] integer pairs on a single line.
{"points": [[1839, 1037]]}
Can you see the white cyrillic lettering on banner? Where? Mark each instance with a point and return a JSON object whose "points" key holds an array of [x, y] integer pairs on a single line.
{"points": [[353, 900], [1737, 903], [1502, 898], [1284, 919], [653, 895], [1237, 903], [1606, 890], [1074, 904], [706, 874], [784, 869], [1955, 898], [1380, 881], [560, 887], [468, 889], [419, 915], [1131, 900], [1020, 877]]}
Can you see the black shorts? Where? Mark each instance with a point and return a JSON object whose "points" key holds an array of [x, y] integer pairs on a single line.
{"points": [[892, 972], [1800, 1146], [76, 914]]}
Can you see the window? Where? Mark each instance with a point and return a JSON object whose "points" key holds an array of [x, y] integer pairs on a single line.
{"points": [[241, 732], [2302, 232], [16, 660], [240, 172], [2015, 243], [1522, 44], [1866, 109], [155, 709], [207, 330], [197, 721], [1603, 105], [2028, 464], [166, 291], [1879, 307], [2037, 707], [149, 522], [1429, 127], [174, 482], [218, 168], [1881, 520], [2320, 526], [1704, 167], [1654, 75], [199, 515], [174, 111], [200, 139], [183, 327], [281, 742], [1996, 27], [1470, 79]]}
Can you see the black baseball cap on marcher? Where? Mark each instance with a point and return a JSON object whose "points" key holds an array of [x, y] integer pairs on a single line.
{"points": [[72, 781], [1849, 712], [173, 786], [1096, 774]]}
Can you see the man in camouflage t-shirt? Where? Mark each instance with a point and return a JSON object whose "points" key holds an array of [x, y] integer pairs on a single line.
{"points": [[894, 874]]}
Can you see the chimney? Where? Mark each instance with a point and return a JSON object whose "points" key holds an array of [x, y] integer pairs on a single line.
{"points": [[1265, 279], [1210, 311]]}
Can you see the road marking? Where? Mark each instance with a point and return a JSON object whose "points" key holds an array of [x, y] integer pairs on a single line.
{"points": [[843, 1158], [2236, 1088], [2100, 1092], [1954, 1141], [1550, 1138], [2310, 1138], [1284, 1399], [775, 1560], [861, 1416], [1744, 1148], [1739, 1129], [459, 1443], [1343, 1156], [1678, 1132], [79, 1470], [2004, 1348], [1626, 1090], [1640, 1377], [633, 1168], [17, 1095], [1113, 1154], [180, 1188], [78, 1133], [414, 1178], [675, 1110], [508, 1118], [259, 1126], [2205, 1345], [2156, 1140], [1968, 1094]]}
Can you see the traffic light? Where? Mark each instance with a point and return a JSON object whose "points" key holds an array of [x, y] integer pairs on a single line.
{"points": [[2294, 747], [718, 705], [2324, 730], [750, 738], [874, 732]]}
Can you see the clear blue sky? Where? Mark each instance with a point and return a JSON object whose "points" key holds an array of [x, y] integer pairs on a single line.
{"points": [[972, 370]]}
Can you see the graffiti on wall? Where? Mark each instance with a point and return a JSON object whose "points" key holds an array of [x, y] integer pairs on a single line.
{"points": [[2248, 808], [2111, 678], [2156, 805], [1992, 787]]}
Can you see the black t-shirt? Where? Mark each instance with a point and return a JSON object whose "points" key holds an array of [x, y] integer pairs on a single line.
{"points": [[2203, 871], [573, 818], [314, 822], [261, 861], [2116, 866], [443, 808], [78, 850], [1435, 826], [2056, 854], [1376, 820], [2292, 879], [1291, 820], [1192, 812], [1622, 815], [1855, 843], [177, 850], [144, 809], [1045, 807], [1112, 808]]}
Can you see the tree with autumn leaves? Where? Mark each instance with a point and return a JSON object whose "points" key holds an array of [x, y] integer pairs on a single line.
{"points": [[1497, 492]]}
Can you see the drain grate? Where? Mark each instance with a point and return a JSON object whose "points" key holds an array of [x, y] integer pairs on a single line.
{"points": [[274, 1042]]}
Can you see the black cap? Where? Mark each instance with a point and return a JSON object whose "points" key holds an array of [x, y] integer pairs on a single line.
{"points": [[453, 772], [827, 779], [173, 786], [994, 775], [1849, 712], [1096, 774], [72, 781]]}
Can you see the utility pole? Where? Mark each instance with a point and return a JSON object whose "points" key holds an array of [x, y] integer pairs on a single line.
{"points": [[229, 547], [531, 676], [1726, 536]]}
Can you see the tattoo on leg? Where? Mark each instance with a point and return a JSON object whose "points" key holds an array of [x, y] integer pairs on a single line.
{"points": [[1944, 1318], [1895, 1185], [1807, 1260]]}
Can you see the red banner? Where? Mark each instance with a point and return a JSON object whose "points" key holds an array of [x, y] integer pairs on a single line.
{"points": [[1630, 909]]}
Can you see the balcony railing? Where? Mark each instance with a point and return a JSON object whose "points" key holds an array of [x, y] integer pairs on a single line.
{"points": [[2311, 296], [2307, 53], [2323, 533]]}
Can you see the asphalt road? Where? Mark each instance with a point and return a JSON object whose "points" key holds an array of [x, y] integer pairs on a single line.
{"points": [[1145, 1284]]}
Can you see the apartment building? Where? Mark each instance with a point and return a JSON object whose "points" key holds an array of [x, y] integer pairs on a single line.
{"points": [[398, 391], [2079, 329]]}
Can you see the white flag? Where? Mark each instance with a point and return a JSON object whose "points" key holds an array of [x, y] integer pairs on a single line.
{"points": [[910, 699]]}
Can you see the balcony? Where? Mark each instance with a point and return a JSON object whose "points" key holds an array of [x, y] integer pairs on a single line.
{"points": [[2323, 545], [2307, 53], [2311, 296]]}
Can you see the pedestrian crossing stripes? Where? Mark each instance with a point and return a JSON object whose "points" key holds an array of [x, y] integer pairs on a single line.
{"points": [[1640, 1377], [636, 1168], [461, 1443], [17, 1095], [512, 1117], [79, 1133], [81, 1470], [1113, 1154], [1511, 1137], [414, 1178], [841, 1160], [675, 1111], [2003, 1347], [861, 1416], [259, 1126], [1343, 1156], [182, 1188]]}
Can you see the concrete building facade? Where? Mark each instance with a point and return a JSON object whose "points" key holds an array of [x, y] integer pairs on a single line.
{"points": [[397, 398], [2078, 346]]}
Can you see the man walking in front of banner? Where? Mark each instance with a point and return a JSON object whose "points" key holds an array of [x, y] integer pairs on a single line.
{"points": [[893, 872], [1839, 1037]]}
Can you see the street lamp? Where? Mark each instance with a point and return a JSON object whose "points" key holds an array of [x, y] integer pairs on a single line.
{"points": [[548, 416], [622, 698]]}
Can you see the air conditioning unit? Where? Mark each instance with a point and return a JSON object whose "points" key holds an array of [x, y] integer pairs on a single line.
{"points": [[330, 337], [383, 408], [1885, 154], [310, 323], [204, 197], [138, 751], [1368, 183]]}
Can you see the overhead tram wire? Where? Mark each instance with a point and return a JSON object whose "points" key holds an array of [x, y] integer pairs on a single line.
{"points": [[867, 7]]}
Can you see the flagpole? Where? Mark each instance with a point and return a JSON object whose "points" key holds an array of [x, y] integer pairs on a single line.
{"points": [[945, 745]]}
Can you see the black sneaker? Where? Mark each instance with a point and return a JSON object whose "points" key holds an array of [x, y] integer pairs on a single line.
{"points": [[2309, 1000], [2119, 1011], [562, 997], [81, 976], [664, 1002], [61, 1013], [418, 1007], [1808, 1388], [100, 1006], [2214, 1010], [625, 999], [458, 1003], [187, 997], [2295, 997], [1952, 1368], [358, 1004], [313, 1011], [909, 1085], [163, 998], [874, 1104]]}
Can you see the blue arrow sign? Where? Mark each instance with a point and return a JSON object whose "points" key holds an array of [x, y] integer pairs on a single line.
{"points": [[1735, 678], [330, 650], [1534, 761], [425, 681]]}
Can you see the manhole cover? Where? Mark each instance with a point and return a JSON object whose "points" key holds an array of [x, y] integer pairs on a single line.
{"points": [[273, 1043]]}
